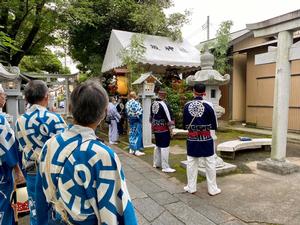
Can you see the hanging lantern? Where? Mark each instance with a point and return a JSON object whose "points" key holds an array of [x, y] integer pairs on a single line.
{"points": [[122, 84]]}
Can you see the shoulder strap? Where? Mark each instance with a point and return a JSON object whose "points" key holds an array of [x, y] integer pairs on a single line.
{"points": [[165, 107]]}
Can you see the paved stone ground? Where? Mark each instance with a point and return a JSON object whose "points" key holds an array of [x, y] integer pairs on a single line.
{"points": [[160, 200], [257, 198]]}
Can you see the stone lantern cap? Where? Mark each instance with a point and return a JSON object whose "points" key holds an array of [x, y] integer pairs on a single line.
{"points": [[207, 75], [6, 75]]}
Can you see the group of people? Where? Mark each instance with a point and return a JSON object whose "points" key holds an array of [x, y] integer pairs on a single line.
{"points": [[199, 118], [72, 177]]}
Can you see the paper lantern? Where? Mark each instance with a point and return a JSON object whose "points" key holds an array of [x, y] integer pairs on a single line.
{"points": [[122, 84]]}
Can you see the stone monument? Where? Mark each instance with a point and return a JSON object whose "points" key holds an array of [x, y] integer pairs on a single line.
{"points": [[11, 83], [146, 84], [212, 79]]}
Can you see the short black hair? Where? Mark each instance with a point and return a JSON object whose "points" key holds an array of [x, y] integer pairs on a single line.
{"points": [[88, 104], [35, 91], [199, 88]]}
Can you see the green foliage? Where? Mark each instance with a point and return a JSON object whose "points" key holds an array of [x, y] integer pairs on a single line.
{"points": [[221, 47], [131, 55], [93, 20], [31, 24], [177, 95], [5, 43], [45, 61]]}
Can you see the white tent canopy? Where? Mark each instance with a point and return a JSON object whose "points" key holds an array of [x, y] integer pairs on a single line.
{"points": [[160, 51]]}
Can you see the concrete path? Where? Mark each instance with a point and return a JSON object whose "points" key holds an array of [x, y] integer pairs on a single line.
{"points": [[160, 200]]}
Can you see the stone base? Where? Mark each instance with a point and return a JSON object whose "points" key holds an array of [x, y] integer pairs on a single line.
{"points": [[279, 167], [220, 170]]}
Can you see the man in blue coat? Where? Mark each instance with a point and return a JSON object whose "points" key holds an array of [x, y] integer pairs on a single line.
{"points": [[199, 119], [162, 124], [33, 129]]}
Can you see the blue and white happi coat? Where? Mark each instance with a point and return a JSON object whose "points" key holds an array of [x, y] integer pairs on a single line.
{"points": [[134, 113], [199, 119], [34, 128], [8, 160], [85, 176]]}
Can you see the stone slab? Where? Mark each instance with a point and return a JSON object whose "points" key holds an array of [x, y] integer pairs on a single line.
{"points": [[187, 214], [147, 186], [202, 206], [220, 170], [166, 219], [140, 219], [134, 191], [278, 167], [169, 185], [148, 208], [163, 198]]}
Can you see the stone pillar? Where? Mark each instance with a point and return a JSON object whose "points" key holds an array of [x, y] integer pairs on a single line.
{"points": [[67, 97], [281, 96], [147, 131], [12, 108], [278, 163]]}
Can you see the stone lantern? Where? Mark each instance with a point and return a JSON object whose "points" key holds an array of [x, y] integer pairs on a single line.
{"points": [[11, 83], [146, 84], [212, 79]]}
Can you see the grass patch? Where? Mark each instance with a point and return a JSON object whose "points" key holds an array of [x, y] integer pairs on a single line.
{"points": [[241, 157]]}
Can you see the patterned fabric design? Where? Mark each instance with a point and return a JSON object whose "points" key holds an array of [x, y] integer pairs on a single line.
{"points": [[133, 108], [7, 137], [34, 128], [8, 151], [88, 177], [196, 108]]}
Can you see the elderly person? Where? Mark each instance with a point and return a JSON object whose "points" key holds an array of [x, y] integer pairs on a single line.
{"points": [[134, 113], [34, 128], [8, 163], [113, 117], [162, 125], [79, 175], [199, 119]]}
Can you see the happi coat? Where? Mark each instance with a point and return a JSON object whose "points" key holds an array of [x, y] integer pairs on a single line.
{"points": [[161, 120], [84, 176], [134, 113], [8, 160], [199, 119], [34, 128]]}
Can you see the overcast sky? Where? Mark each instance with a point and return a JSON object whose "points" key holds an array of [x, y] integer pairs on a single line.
{"points": [[241, 12]]}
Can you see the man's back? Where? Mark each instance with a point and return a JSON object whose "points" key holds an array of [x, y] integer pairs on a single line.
{"points": [[87, 175]]}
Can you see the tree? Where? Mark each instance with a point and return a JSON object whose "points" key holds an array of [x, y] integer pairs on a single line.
{"points": [[220, 47], [132, 55], [93, 20], [5, 43], [31, 24], [45, 61]]}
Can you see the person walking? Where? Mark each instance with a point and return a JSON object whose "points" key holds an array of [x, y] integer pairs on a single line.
{"points": [[199, 119], [162, 125], [113, 117], [79, 176], [8, 163], [33, 129], [134, 113]]}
